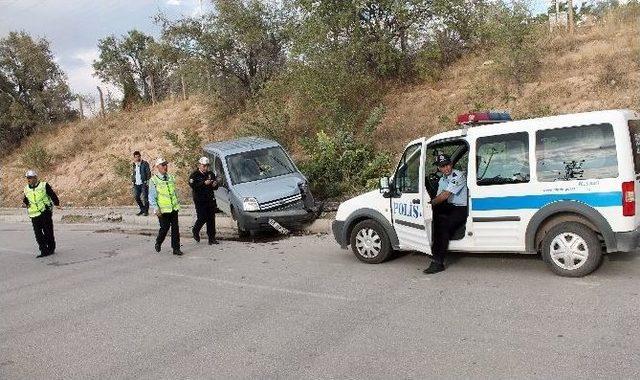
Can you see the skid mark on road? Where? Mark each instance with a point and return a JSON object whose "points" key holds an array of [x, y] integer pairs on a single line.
{"points": [[259, 287]]}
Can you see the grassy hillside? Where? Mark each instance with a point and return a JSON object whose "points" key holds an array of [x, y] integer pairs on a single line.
{"points": [[597, 68]]}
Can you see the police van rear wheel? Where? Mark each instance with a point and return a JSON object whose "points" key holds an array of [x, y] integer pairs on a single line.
{"points": [[369, 242], [571, 249]]}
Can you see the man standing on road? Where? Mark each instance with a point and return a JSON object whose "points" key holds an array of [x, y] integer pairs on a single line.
{"points": [[164, 201], [449, 210], [203, 182], [39, 198], [140, 175]]}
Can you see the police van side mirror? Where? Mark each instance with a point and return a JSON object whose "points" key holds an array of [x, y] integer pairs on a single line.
{"points": [[383, 184]]}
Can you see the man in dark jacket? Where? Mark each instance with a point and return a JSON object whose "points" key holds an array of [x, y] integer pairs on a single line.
{"points": [[203, 182], [39, 199], [140, 175]]}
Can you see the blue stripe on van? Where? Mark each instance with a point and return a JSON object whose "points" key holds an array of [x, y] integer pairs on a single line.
{"points": [[613, 198]]}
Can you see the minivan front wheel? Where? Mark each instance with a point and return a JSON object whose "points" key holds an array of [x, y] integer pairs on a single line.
{"points": [[242, 233], [369, 242], [571, 249]]}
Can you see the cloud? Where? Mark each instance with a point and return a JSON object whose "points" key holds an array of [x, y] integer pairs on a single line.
{"points": [[176, 3]]}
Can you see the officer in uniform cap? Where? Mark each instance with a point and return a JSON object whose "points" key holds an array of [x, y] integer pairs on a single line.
{"points": [[39, 198], [449, 210], [203, 182]]}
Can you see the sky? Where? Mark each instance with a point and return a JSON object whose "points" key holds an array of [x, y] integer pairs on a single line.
{"points": [[73, 27]]}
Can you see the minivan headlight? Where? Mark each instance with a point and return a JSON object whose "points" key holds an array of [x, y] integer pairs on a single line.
{"points": [[250, 204]]}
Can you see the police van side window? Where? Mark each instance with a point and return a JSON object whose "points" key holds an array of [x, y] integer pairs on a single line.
{"points": [[408, 174], [574, 153], [503, 159]]}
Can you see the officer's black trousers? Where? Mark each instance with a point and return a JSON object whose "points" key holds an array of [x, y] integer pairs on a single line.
{"points": [[205, 212], [169, 220], [43, 229], [447, 218]]}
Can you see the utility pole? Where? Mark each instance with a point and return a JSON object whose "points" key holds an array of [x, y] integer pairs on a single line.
{"points": [[570, 10], [102, 113], [80, 107]]}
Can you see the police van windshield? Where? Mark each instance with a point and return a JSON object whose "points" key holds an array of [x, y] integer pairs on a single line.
{"points": [[258, 164]]}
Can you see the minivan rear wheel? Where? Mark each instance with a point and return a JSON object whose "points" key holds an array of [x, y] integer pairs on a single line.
{"points": [[572, 249], [369, 242]]}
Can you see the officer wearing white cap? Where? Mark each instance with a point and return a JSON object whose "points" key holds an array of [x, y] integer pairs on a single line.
{"points": [[163, 199], [39, 198], [203, 182], [449, 210]]}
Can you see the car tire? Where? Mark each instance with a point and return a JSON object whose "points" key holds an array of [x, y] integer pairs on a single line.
{"points": [[571, 249], [242, 233], [370, 242]]}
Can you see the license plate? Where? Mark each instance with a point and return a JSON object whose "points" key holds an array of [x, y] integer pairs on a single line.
{"points": [[278, 227]]}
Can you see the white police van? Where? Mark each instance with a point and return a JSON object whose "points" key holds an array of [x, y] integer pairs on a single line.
{"points": [[563, 186]]}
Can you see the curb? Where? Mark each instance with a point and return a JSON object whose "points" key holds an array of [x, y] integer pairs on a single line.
{"points": [[126, 216]]}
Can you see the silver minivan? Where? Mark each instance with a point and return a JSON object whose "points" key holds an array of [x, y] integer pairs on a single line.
{"points": [[259, 185]]}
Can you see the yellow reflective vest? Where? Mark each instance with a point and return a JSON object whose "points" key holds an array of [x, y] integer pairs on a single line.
{"points": [[166, 193], [38, 198]]}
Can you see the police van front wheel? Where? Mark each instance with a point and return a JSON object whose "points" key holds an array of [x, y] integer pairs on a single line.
{"points": [[571, 249], [369, 242]]}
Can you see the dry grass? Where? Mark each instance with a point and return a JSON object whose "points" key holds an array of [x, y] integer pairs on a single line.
{"points": [[83, 171], [596, 68]]}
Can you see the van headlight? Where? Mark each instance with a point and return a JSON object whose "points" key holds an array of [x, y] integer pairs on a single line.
{"points": [[250, 204]]}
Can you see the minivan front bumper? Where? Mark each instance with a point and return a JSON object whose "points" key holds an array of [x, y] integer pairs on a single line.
{"points": [[258, 220]]}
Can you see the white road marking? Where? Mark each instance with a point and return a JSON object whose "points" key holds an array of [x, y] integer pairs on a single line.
{"points": [[259, 287]]}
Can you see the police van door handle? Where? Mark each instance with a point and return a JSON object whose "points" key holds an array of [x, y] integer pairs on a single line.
{"points": [[416, 201]]}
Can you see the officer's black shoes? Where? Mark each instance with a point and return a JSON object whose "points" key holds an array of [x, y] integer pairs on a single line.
{"points": [[213, 241], [146, 213], [177, 252], [434, 268], [140, 213], [42, 254], [157, 247], [196, 236]]}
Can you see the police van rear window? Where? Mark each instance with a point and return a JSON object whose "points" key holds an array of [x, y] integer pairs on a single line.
{"points": [[634, 131], [575, 153]]}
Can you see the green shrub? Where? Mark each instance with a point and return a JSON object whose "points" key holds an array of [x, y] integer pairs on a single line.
{"points": [[342, 163], [37, 157], [121, 167], [188, 148]]}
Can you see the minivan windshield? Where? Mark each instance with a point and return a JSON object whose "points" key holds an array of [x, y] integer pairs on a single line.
{"points": [[258, 164]]}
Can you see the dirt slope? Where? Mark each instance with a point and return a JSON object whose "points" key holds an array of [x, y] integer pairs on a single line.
{"points": [[597, 68]]}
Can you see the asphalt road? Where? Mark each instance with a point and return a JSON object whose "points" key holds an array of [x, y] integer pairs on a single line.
{"points": [[107, 306]]}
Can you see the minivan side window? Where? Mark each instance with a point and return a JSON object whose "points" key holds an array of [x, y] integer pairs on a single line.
{"points": [[220, 172], [408, 174], [574, 153], [502, 159]]}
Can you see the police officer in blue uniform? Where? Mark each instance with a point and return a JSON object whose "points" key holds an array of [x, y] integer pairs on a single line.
{"points": [[449, 210]]}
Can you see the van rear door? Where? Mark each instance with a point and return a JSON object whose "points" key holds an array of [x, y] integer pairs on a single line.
{"points": [[634, 131]]}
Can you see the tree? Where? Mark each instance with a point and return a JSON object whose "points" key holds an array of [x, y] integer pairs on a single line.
{"points": [[33, 88], [242, 44], [130, 63]]}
